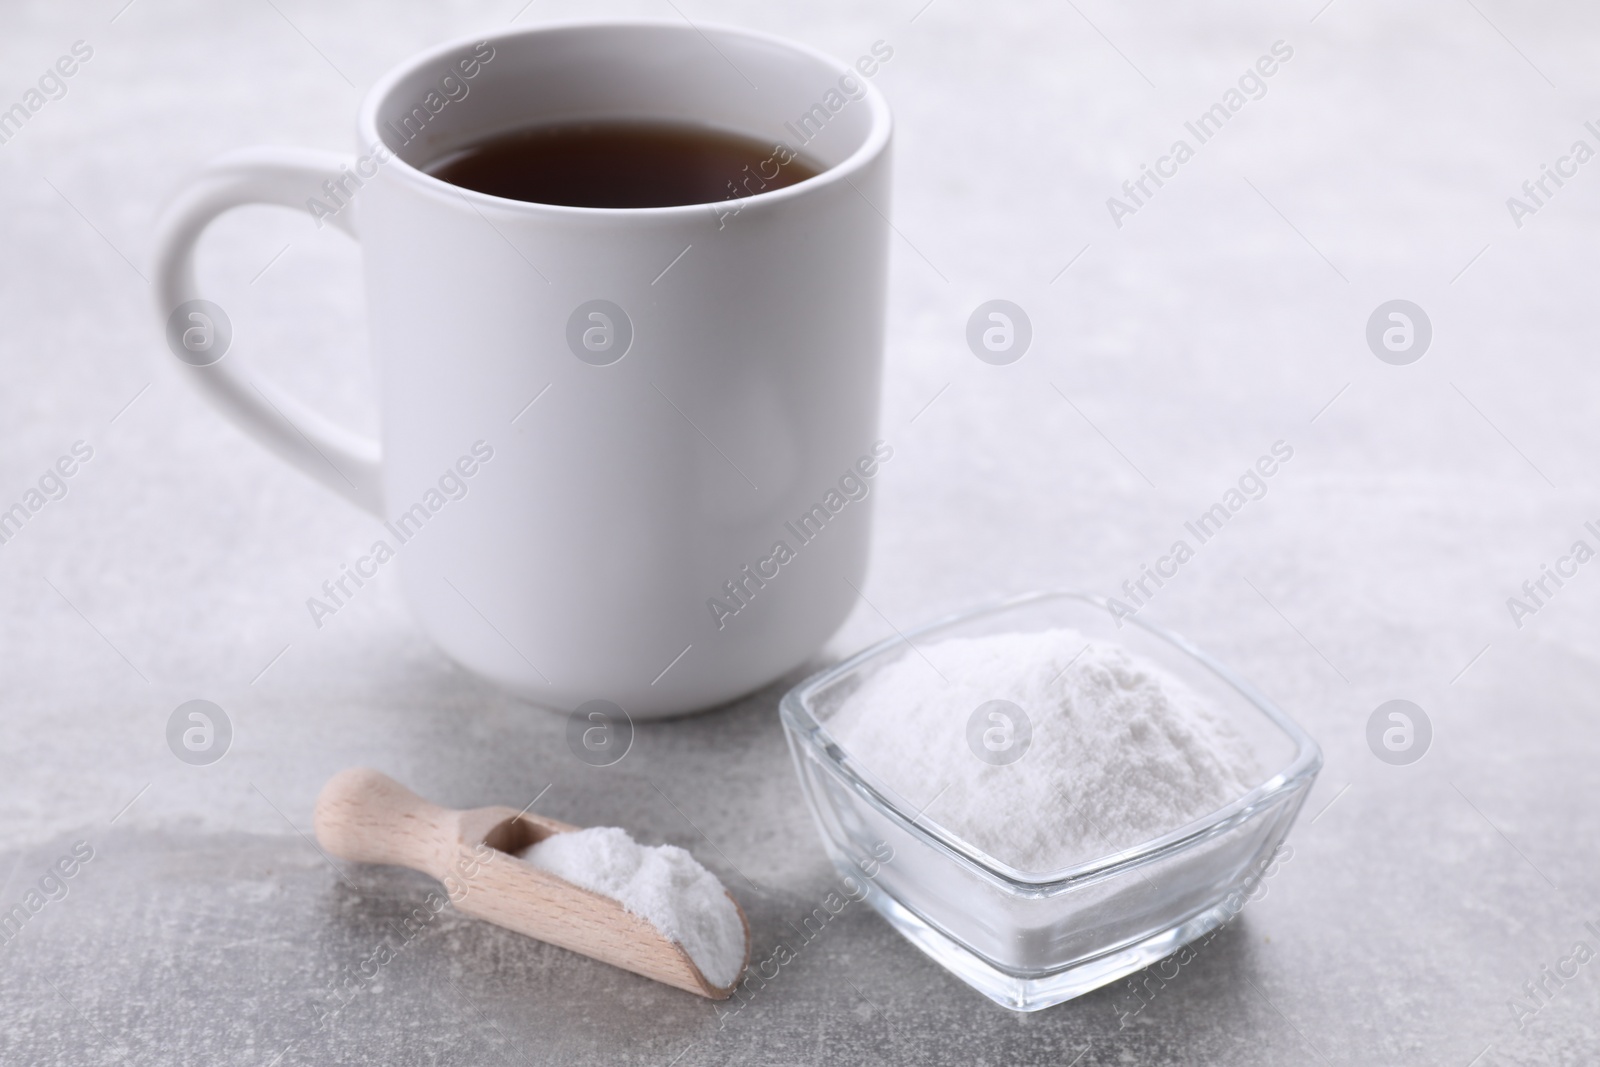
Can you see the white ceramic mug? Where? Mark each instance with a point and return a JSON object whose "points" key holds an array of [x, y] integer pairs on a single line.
{"points": [[703, 379]]}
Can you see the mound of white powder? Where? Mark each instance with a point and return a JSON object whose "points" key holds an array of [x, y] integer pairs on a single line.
{"points": [[663, 885], [1121, 752]]}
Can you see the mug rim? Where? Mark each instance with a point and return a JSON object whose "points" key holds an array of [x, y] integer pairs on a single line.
{"points": [[369, 138]]}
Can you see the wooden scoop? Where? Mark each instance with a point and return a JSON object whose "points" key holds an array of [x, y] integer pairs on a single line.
{"points": [[365, 816]]}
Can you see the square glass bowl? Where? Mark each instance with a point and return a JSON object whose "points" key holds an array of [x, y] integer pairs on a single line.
{"points": [[1029, 940]]}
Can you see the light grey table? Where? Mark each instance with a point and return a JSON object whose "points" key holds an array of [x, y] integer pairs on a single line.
{"points": [[1228, 311]]}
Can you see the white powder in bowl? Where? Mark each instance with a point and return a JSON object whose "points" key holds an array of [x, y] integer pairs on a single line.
{"points": [[663, 885], [1121, 752]]}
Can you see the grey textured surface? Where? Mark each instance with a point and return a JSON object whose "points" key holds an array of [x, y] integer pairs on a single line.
{"points": [[1226, 314]]}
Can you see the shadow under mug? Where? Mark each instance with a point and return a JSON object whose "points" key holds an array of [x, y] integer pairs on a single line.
{"points": [[626, 454]]}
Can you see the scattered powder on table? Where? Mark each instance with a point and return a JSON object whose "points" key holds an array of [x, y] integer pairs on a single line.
{"points": [[663, 885], [1121, 752]]}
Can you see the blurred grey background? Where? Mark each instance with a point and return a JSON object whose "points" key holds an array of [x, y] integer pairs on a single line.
{"points": [[1227, 313]]}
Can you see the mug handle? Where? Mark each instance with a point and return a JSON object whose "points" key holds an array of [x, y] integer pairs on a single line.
{"points": [[341, 459]]}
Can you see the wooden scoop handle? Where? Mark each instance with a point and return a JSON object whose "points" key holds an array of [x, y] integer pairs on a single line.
{"points": [[365, 816]]}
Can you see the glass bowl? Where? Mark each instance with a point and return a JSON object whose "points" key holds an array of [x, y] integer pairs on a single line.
{"points": [[1029, 940]]}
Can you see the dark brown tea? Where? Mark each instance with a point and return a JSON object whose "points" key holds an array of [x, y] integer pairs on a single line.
{"points": [[622, 165]]}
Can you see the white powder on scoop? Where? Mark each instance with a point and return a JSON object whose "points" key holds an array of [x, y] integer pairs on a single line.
{"points": [[663, 885], [1121, 752]]}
